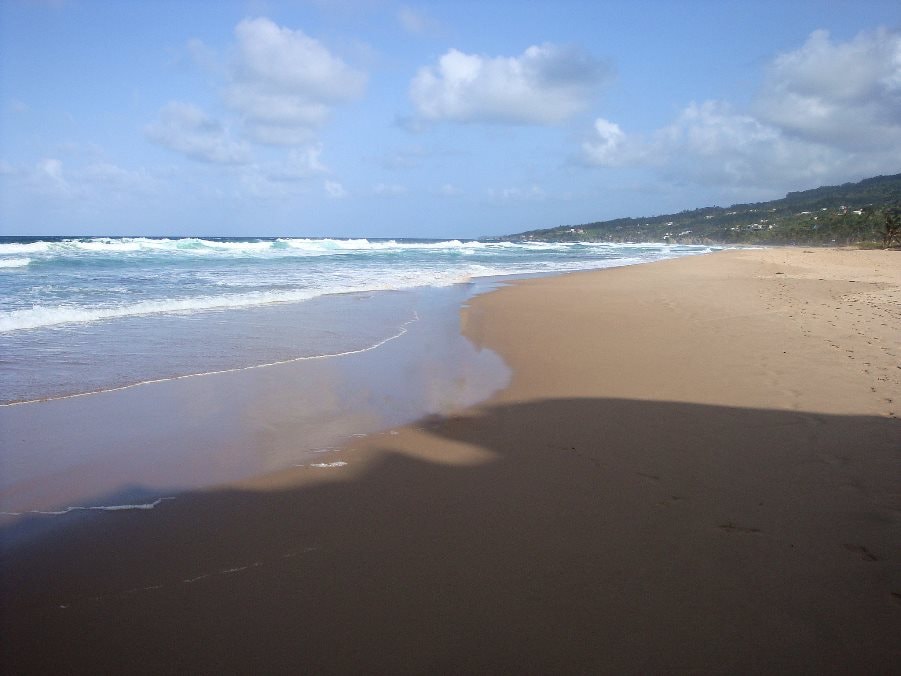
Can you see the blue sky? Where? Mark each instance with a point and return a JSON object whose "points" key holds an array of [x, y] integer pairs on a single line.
{"points": [[444, 119]]}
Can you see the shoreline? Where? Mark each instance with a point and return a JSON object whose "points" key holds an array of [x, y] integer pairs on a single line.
{"points": [[236, 369], [58, 415], [471, 286], [691, 469], [810, 313], [195, 433]]}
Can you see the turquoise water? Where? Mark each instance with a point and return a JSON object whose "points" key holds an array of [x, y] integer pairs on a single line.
{"points": [[87, 314]]}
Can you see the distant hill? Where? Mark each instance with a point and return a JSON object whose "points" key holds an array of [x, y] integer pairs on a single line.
{"points": [[851, 213]]}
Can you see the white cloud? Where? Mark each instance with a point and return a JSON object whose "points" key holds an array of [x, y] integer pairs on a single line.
{"points": [[52, 179], [544, 85], [389, 189], [280, 83], [309, 159], [449, 190], [185, 128], [301, 163], [335, 190], [49, 175], [284, 178], [846, 95], [713, 129], [826, 112], [284, 83], [711, 142], [605, 147]]}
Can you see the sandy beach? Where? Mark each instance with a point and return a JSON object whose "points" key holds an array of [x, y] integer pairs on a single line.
{"points": [[695, 468]]}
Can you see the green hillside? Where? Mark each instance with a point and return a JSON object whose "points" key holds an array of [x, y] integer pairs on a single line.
{"points": [[852, 213]]}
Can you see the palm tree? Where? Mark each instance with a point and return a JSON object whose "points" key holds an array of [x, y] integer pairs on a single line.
{"points": [[891, 235]]}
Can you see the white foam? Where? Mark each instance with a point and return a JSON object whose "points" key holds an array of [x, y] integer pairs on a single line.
{"points": [[40, 316], [199, 246], [190, 246], [102, 508], [340, 463], [30, 247], [298, 283]]}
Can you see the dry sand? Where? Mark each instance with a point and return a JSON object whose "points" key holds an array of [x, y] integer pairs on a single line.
{"points": [[694, 469]]}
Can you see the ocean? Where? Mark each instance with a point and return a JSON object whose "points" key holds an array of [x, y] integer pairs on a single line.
{"points": [[88, 314], [306, 343]]}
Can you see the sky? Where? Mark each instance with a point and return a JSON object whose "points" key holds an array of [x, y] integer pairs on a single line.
{"points": [[375, 118]]}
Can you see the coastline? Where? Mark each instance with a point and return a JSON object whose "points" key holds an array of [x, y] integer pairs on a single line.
{"points": [[694, 468], [204, 430]]}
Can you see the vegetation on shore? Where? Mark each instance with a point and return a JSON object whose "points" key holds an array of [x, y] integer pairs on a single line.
{"points": [[864, 213]]}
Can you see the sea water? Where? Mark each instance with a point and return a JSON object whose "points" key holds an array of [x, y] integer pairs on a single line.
{"points": [[88, 314], [133, 368]]}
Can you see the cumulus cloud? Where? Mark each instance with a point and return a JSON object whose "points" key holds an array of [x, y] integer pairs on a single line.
{"points": [[544, 85], [278, 86], [825, 112], [284, 83], [334, 190], [606, 145], [185, 128], [843, 94], [712, 142]]}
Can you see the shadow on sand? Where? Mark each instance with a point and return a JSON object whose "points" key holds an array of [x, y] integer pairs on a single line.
{"points": [[605, 536]]}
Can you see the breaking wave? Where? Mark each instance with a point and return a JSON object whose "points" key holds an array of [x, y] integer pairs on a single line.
{"points": [[14, 262]]}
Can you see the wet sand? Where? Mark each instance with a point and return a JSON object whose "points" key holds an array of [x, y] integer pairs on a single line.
{"points": [[134, 445], [695, 468]]}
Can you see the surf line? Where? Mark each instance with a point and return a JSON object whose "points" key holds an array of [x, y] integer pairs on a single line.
{"points": [[403, 330], [99, 508]]}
